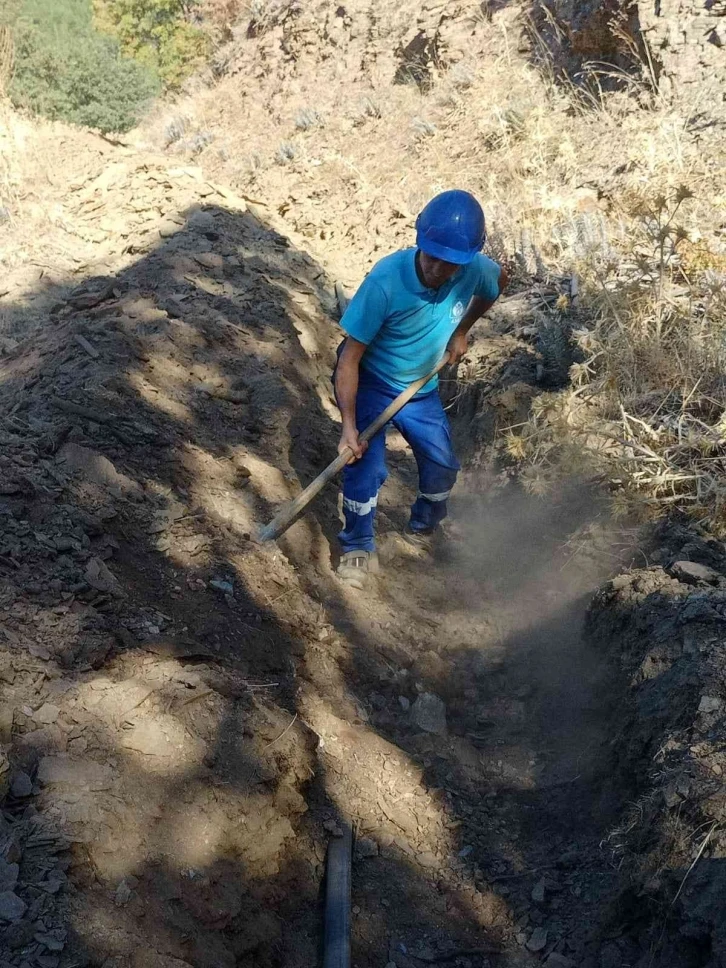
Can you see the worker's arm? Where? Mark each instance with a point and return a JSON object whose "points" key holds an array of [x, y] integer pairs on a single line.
{"points": [[346, 390], [459, 342]]}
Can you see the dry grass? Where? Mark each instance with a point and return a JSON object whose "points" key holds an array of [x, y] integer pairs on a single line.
{"points": [[647, 407], [7, 59]]}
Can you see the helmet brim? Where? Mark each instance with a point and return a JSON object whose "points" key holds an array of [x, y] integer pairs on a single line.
{"points": [[455, 256]]}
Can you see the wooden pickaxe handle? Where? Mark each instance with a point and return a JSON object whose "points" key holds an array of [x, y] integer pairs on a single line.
{"points": [[284, 518]]}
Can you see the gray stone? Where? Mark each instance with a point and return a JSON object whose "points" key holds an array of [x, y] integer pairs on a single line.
{"points": [[47, 714], [555, 960], [428, 860], [365, 847], [53, 940], [429, 713], [538, 940], [53, 882], [692, 573], [122, 895], [100, 577], [538, 892], [8, 875], [12, 907], [21, 785], [710, 704]]}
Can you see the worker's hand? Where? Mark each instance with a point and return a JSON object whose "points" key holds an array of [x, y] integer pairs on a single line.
{"points": [[349, 438], [457, 347]]}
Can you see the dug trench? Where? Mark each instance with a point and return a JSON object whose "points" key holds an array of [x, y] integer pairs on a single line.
{"points": [[189, 716]]}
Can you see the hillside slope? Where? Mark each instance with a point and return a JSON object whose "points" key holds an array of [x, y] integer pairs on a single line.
{"points": [[188, 716]]}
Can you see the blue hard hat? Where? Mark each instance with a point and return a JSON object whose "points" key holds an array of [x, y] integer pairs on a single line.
{"points": [[451, 227]]}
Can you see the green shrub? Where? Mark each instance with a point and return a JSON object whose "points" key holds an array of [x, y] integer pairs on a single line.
{"points": [[67, 71], [156, 33]]}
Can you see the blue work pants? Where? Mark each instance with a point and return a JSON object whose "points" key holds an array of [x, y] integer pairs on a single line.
{"points": [[424, 425]]}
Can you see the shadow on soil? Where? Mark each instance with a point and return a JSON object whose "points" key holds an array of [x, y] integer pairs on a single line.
{"points": [[195, 662]]}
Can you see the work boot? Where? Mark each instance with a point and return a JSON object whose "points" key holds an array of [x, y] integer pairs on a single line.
{"points": [[423, 540], [355, 567]]}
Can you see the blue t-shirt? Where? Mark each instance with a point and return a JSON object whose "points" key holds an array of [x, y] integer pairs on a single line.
{"points": [[406, 326]]}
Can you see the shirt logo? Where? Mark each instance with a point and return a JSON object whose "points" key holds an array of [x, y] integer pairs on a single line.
{"points": [[457, 312]]}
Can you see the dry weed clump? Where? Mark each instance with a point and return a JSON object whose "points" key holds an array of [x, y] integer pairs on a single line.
{"points": [[7, 58], [646, 410]]}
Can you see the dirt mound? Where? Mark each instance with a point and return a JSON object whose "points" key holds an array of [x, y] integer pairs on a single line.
{"points": [[664, 622], [154, 753]]}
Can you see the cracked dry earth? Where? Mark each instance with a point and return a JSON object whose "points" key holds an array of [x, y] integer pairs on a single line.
{"points": [[187, 716]]}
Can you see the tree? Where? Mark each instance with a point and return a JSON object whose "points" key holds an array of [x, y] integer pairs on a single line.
{"points": [[65, 70], [156, 33]]}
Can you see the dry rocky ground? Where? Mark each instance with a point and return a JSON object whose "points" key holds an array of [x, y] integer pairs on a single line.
{"points": [[534, 767], [188, 716]]}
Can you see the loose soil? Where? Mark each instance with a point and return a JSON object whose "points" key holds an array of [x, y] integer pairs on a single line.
{"points": [[189, 716]]}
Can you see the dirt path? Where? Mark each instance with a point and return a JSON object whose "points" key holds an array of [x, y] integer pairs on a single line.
{"points": [[503, 811]]}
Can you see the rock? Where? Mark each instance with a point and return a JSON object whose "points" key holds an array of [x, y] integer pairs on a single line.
{"points": [[99, 576], [692, 573], [201, 222], [404, 703], [21, 785], [427, 859], [7, 345], [53, 882], [710, 704], [53, 940], [365, 847], [538, 892], [8, 875], [429, 714], [6, 724], [226, 587], [91, 293], [538, 940], [163, 519], [48, 739], [12, 907], [74, 774], [65, 542], [19, 935], [122, 895], [47, 714], [97, 469], [288, 800], [555, 960]]}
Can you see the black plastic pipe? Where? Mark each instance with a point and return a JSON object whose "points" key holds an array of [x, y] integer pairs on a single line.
{"points": [[336, 953]]}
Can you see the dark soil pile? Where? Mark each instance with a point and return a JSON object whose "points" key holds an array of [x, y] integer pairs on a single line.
{"points": [[663, 626]]}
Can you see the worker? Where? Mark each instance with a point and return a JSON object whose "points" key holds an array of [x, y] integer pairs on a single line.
{"points": [[413, 306]]}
